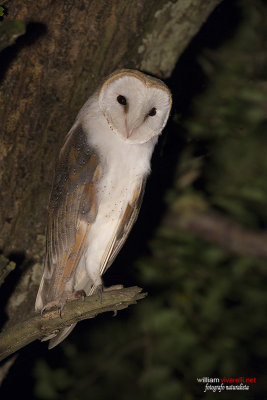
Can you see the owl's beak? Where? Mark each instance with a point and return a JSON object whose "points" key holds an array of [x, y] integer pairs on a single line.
{"points": [[128, 131]]}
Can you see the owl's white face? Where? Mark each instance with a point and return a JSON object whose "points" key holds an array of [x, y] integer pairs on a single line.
{"points": [[136, 106]]}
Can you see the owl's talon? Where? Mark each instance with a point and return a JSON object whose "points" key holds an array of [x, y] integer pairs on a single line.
{"points": [[99, 291], [48, 306], [59, 310], [80, 294]]}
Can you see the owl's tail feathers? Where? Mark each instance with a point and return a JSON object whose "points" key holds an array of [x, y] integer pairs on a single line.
{"points": [[57, 338]]}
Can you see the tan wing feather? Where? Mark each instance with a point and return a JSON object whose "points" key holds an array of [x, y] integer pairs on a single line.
{"points": [[129, 217], [72, 209]]}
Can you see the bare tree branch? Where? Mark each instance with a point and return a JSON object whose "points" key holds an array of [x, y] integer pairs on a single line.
{"points": [[37, 326], [220, 230]]}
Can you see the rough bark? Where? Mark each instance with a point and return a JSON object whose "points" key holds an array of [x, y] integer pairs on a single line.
{"points": [[47, 74], [37, 326]]}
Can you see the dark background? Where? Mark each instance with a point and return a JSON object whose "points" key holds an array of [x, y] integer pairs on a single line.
{"points": [[205, 311]]}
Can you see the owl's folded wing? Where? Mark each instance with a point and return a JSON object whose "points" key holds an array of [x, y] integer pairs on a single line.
{"points": [[72, 209], [125, 225]]}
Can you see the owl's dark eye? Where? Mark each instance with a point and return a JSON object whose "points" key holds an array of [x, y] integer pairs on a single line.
{"points": [[122, 100], [152, 112]]}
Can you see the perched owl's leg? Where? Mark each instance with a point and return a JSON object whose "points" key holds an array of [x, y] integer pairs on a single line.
{"points": [[49, 305], [57, 303], [61, 304], [95, 285], [79, 294], [59, 310], [101, 288], [98, 290]]}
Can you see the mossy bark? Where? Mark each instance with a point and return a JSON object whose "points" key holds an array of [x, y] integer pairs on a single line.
{"points": [[36, 326], [47, 73]]}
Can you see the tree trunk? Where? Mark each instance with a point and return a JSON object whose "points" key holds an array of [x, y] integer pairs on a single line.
{"points": [[47, 74]]}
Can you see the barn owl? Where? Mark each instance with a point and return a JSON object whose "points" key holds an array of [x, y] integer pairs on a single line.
{"points": [[98, 185]]}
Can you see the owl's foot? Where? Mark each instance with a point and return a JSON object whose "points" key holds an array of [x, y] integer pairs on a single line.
{"points": [[49, 305], [52, 304], [79, 294], [99, 291]]}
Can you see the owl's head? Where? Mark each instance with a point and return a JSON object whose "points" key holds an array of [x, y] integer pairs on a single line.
{"points": [[136, 106]]}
